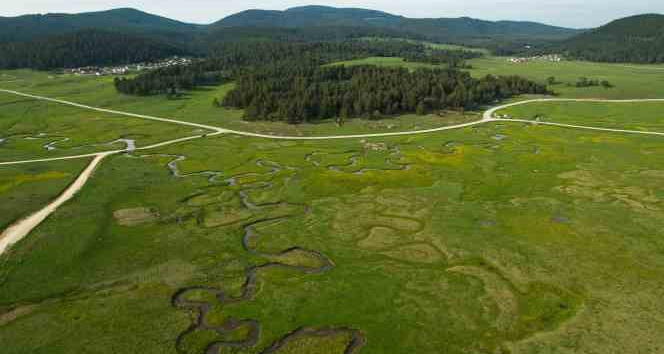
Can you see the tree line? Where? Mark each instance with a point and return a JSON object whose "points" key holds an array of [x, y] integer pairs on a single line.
{"points": [[585, 82], [299, 94]]}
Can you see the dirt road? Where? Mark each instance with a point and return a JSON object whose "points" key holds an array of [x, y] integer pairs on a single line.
{"points": [[22, 228]]}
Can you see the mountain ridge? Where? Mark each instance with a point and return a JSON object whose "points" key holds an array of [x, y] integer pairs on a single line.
{"points": [[26, 27], [313, 15]]}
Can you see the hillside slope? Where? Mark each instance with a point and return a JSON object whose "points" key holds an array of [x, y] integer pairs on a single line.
{"points": [[434, 28], [125, 19], [308, 16], [637, 39]]}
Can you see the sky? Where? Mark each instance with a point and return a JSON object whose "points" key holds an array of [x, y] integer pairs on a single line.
{"points": [[568, 13]]}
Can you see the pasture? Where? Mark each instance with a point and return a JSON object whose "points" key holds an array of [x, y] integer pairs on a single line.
{"points": [[504, 237]]}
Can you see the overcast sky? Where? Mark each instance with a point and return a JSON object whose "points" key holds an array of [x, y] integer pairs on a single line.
{"points": [[570, 13]]}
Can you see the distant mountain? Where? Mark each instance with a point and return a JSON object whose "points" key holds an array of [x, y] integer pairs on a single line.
{"points": [[637, 39], [125, 20], [308, 16], [434, 28], [83, 48], [328, 22], [308, 23]]}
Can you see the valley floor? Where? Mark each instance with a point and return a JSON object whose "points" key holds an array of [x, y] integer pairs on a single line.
{"points": [[485, 235]]}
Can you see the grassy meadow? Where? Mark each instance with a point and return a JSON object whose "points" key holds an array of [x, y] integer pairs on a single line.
{"points": [[629, 81], [642, 116], [504, 237], [26, 188], [30, 128], [389, 62], [501, 238]]}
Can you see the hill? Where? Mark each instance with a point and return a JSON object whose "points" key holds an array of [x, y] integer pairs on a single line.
{"points": [[637, 39], [128, 20], [308, 16], [296, 23], [307, 23], [83, 48], [434, 28]]}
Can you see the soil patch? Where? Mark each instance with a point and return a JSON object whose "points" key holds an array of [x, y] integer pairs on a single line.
{"points": [[135, 216]]}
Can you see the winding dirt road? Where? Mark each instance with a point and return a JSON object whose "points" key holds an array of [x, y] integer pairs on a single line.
{"points": [[23, 227]]}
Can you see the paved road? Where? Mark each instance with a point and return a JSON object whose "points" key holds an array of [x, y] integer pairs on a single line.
{"points": [[23, 227]]}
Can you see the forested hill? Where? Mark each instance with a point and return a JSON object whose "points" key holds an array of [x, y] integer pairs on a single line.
{"points": [[84, 48], [323, 18], [434, 28], [636, 39], [309, 16], [21, 28]]}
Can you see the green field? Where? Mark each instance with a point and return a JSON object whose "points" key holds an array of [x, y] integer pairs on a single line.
{"points": [[630, 81], [438, 46], [642, 116], [501, 238], [389, 62], [38, 129], [26, 188], [445, 46], [99, 92]]}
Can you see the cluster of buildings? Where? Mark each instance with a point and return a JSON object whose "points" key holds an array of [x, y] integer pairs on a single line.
{"points": [[549, 57], [125, 69]]}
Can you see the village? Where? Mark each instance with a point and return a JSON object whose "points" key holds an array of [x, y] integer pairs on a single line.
{"points": [[125, 69], [556, 58]]}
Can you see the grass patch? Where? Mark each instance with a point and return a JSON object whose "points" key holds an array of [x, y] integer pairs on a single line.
{"points": [[27, 188], [38, 129], [630, 81], [642, 116], [389, 62]]}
